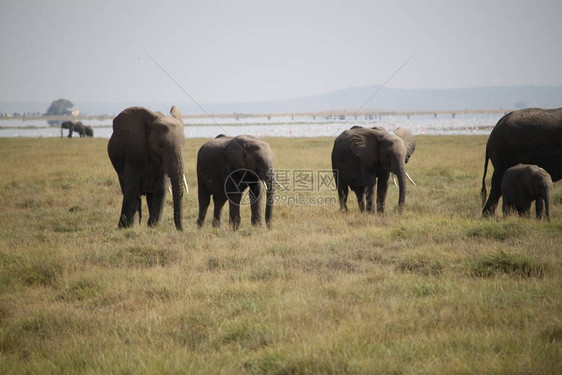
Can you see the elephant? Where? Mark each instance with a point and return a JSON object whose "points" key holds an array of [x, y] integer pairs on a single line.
{"points": [[77, 127], [226, 166], [362, 157], [89, 131], [528, 136], [522, 184], [145, 148]]}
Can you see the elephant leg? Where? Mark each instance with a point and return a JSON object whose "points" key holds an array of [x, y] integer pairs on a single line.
{"points": [[137, 216], [255, 202], [370, 192], [506, 208], [234, 208], [539, 207], [204, 198], [522, 208], [343, 191], [360, 194], [218, 202], [131, 212], [131, 207], [525, 208], [495, 193], [369, 180], [155, 201], [382, 189]]}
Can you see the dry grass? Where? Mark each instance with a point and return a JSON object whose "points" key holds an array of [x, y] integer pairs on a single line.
{"points": [[434, 289]]}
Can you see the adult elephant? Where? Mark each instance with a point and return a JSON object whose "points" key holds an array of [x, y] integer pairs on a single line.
{"points": [[363, 157], [144, 148], [226, 166], [66, 125], [77, 127], [527, 136]]}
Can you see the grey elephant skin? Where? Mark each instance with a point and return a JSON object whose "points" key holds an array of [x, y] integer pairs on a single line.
{"points": [[77, 127], [363, 157], [88, 130], [528, 136], [226, 166], [521, 185], [144, 148]]}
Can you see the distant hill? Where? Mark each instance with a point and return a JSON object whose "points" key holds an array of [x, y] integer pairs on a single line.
{"points": [[480, 98], [350, 99]]}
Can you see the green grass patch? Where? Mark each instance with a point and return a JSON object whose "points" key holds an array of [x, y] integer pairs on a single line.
{"points": [[497, 230], [421, 263], [43, 266], [507, 263]]}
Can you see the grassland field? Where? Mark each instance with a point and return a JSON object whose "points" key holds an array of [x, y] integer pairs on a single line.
{"points": [[435, 289]]}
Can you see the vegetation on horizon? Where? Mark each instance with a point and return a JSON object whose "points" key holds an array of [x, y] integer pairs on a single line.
{"points": [[60, 107], [433, 289]]}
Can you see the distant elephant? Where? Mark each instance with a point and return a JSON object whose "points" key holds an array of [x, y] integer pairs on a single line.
{"points": [[89, 131], [523, 184], [529, 136], [363, 157], [144, 148], [226, 166], [77, 127]]}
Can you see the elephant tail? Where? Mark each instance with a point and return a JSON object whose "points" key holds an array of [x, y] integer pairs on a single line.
{"points": [[483, 191]]}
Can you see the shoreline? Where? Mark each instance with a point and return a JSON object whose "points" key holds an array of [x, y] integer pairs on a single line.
{"points": [[296, 114]]}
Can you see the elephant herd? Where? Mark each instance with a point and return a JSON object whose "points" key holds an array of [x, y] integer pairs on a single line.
{"points": [[78, 127], [146, 148]]}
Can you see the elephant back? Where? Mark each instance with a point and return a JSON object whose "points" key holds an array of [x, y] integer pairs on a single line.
{"points": [[212, 152], [526, 128]]}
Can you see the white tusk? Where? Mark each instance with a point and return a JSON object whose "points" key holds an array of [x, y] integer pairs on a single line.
{"points": [[264, 185], [278, 184], [410, 178], [187, 186], [169, 184], [394, 179]]}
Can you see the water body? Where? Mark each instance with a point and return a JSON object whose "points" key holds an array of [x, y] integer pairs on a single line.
{"points": [[282, 126]]}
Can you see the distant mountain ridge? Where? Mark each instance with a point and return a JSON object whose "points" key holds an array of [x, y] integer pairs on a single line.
{"points": [[349, 99]]}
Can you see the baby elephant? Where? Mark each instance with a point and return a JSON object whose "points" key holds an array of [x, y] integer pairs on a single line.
{"points": [[522, 184]]}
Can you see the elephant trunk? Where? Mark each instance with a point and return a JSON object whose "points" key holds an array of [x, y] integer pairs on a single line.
{"points": [[401, 174], [177, 177]]}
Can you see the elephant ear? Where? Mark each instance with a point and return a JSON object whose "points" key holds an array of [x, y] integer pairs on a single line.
{"points": [[242, 150], [409, 141], [134, 125], [365, 144], [175, 111]]}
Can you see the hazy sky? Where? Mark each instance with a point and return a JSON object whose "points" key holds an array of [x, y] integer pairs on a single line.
{"points": [[232, 51]]}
